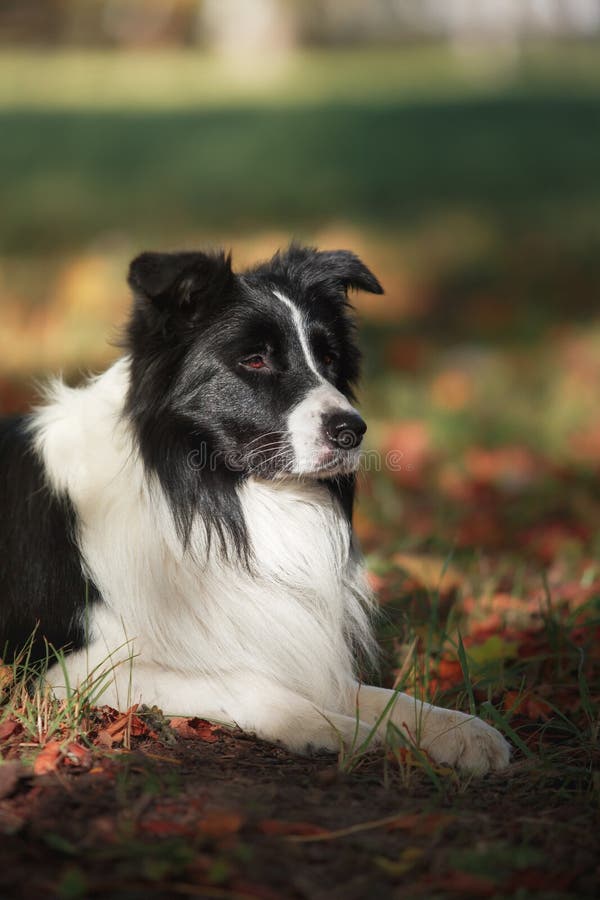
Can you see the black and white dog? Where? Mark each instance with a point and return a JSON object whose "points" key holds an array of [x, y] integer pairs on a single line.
{"points": [[183, 521]]}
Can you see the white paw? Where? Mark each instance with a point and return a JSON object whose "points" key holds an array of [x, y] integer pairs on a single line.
{"points": [[462, 741]]}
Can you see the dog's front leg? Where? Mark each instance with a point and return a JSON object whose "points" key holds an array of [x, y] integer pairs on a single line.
{"points": [[448, 736], [254, 703]]}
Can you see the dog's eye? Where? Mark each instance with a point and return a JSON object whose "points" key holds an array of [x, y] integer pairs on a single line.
{"points": [[254, 362], [329, 358]]}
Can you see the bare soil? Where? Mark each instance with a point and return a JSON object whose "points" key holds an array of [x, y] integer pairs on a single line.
{"points": [[235, 817]]}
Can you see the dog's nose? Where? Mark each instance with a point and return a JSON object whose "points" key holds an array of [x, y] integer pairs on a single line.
{"points": [[344, 429]]}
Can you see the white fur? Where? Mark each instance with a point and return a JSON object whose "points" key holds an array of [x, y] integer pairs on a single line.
{"points": [[301, 331], [305, 422], [289, 619], [305, 427], [181, 628]]}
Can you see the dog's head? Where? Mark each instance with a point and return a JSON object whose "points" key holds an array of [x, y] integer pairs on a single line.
{"points": [[256, 370]]}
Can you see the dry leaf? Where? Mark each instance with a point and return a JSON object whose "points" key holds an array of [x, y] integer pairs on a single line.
{"points": [[278, 827], [196, 728], [425, 824], [409, 858], [78, 756], [8, 727], [7, 676], [220, 824], [48, 760], [431, 572]]}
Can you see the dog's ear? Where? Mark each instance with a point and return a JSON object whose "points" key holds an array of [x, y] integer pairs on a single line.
{"points": [[333, 270], [180, 281], [348, 270]]}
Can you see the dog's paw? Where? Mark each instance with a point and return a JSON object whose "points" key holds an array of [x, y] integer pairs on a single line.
{"points": [[463, 742]]}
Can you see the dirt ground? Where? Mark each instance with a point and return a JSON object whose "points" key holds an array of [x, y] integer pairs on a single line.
{"points": [[230, 816]]}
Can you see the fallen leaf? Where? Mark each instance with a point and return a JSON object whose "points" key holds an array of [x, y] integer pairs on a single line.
{"points": [[104, 739], [166, 828], [196, 728], [431, 572], [282, 827], [8, 727], [220, 824], [409, 858], [527, 704], [79, 756], [422, 824], [115, 731], [450, 670], [494, 649], [48, 759], [408, 452], [452, 389], [7, 676], [510, 468]]}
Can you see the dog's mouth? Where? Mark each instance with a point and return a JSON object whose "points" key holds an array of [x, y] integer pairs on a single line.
{"points": [[328, 463], [325, 462]]}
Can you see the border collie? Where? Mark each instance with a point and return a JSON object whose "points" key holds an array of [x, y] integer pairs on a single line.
{"points": [[181, 524]]}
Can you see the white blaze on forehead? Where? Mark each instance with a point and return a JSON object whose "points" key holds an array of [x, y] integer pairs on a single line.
{"points": [[305, 421], [302, 336]]}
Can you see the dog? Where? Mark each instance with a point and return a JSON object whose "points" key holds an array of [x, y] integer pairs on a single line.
{"points": [[182, 524]]}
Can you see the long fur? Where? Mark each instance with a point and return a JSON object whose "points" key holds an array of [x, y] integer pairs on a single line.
{"points": [[182, 524]]}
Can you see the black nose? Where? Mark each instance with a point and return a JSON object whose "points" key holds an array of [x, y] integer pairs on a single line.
{"points": [[344, 429]]}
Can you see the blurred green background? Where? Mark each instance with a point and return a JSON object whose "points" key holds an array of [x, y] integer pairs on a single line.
{"points": [[455, 146]]}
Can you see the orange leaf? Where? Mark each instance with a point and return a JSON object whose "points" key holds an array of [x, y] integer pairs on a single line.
{"points": [[78, 755], [195, 728], [7, 676], [220, 824], [166, 828], [425, 824], [121, 722], [431, 572], [538, 709], [104, 739], [8, 727], [48, 760], [451, 670], [279, 827], [514, 701], [527, 705]]}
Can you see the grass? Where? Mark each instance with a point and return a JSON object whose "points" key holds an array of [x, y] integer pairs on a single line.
{"points": [[513, 647], [382, 139], [84, 79], [471, 185], [28, 699], [248, 168], [509, 650]]}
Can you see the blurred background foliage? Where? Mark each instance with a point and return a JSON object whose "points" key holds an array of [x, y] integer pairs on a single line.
{"points": [[453, 144]]}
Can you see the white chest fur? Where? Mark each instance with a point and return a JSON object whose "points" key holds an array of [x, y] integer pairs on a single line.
{"points": [[293, 618]]}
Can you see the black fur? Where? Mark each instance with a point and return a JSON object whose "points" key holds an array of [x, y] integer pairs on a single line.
{"points": [[193, 318], [40, 568], [203, 419]]}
